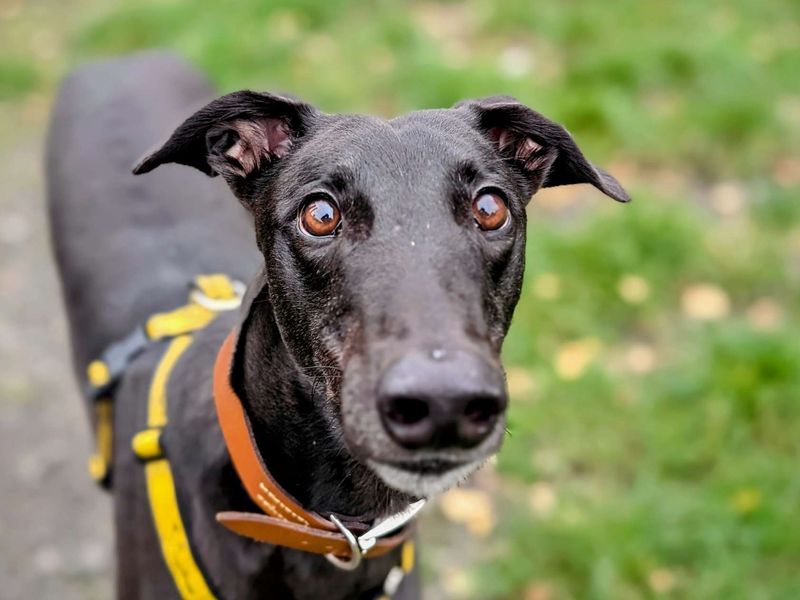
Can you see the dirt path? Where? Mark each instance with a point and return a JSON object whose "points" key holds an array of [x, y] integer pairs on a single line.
{"points": [[55, 526]]}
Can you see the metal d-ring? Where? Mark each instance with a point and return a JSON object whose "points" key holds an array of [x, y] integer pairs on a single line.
{"points": [[220, 304], [360, 546], [355, 549]]}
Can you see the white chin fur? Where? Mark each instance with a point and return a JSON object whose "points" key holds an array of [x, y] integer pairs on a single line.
{"points": [[420, 484]]}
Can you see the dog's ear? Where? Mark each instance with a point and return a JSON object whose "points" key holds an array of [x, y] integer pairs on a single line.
{"points": [[235, 136], [544, 150]]}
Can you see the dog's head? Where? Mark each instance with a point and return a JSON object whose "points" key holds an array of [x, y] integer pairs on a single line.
{"points": [[394, 257]]}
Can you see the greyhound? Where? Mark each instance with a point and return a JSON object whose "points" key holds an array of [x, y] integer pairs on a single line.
{"points": [[384, 260]]}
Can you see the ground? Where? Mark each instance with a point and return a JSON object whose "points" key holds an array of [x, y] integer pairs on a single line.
{"points": [[55, 526]]}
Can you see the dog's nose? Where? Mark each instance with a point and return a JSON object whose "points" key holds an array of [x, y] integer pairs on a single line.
{"points": [[441, 400]]}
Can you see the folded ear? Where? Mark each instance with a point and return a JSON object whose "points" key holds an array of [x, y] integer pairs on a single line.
{"points": [[235, 136], [541, 148]]}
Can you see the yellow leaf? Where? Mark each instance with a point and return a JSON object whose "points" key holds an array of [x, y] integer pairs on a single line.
{"points": [[458, 583], [471, 508], [640, 358], [661, 580], [547, 286], [728, 198], [705, 302], [574, 357], [633, 289], [746, 500], [542, 498], [520, 382]]}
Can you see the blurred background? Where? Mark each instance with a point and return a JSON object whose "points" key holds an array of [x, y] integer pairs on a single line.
{"points": [[653, 363]]}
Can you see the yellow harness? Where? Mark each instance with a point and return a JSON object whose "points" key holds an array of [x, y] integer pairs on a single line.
{"points": [[210, 295], [175, 547]]}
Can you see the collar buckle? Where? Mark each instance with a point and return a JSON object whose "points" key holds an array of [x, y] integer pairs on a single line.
{"points": [[359, 546]]}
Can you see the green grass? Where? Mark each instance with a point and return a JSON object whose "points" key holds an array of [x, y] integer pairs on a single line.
{"points": [[17, 77], [672, 448], [694, 84]]}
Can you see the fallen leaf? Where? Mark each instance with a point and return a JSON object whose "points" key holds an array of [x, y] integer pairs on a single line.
{"points": [[520, 382], [471, 508], [728, 198], [787, 171], [640, 358], [746, 500], [542, 498], [765, 314], [538, 591], [547, 286], [633, 289], [573, 358], [661, 580], [458, 583], [705, 302]]}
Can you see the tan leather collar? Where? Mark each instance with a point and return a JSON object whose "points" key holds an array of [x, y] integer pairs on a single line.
{"points": [[284, 522]]}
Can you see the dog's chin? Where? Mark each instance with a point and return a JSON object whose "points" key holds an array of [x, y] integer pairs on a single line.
{"points": [[421, 480]]}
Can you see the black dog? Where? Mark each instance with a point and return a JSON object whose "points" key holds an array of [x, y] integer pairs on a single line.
{"points": [[392, 258]]}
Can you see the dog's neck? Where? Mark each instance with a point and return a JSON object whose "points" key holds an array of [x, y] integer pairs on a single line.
{"points": [[300, 440]]}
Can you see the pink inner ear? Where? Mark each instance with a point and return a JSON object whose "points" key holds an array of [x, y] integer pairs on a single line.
{"points": [[525, 149], [258, 139]]}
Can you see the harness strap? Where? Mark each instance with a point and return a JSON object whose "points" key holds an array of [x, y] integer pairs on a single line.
{"points": [[169, 526], [100, 460], [209, 294]]}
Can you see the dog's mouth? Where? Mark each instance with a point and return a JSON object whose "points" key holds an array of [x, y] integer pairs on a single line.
{"points": [[432, 466], [423, 478]]}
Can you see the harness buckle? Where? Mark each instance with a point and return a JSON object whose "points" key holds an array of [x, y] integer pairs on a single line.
{"points": [[209, 294]]}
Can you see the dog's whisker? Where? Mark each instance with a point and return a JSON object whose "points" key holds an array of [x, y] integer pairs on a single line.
{"points": [[321, 367]]}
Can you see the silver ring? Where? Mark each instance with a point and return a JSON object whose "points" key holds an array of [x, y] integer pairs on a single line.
{"points": [[360, 546], [355, 549]]}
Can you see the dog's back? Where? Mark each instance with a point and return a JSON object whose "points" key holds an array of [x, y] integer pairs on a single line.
{"points": [[127, 246]]}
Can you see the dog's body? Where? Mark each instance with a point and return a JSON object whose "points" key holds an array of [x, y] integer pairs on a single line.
{"points": [[126, 248]]}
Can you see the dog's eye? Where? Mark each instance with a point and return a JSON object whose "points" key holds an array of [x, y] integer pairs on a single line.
{"points": [[490, 210], [320, 217]]}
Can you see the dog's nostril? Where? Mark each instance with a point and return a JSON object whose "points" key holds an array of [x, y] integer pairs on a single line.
{"points": [[408, 421], [407, 411], [481, 410], [478, 419]]}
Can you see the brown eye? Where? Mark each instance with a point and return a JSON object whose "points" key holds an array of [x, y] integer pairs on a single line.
{"points": [[320, 217], [490, 211]]}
